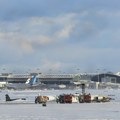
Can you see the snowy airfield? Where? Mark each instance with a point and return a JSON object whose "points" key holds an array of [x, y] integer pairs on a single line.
{"points": [[28, 110]]}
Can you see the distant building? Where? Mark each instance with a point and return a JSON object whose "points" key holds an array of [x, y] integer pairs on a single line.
{"points": [[90, 80], [107, 77], [3, 80], [56, 78]]}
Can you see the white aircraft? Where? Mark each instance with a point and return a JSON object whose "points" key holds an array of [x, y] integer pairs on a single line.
{"points": [[30, 83]]}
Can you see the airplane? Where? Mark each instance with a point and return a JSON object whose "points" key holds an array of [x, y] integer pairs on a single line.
{"points": [[30, 83], [9, 99]]}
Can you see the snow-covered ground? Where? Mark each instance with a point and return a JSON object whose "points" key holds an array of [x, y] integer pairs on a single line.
{"points": [[54, 111]]}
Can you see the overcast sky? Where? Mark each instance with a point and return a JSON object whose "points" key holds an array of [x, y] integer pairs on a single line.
{"points": [[59, 36]]}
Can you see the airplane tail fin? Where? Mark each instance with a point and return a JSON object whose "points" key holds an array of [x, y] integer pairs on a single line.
{"points": [[32, 81], [7, 97], [28, 80]]}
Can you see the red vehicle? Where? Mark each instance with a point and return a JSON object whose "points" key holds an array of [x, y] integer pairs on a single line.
{"points": [[65, 98], [68, 98], [87, 98]]}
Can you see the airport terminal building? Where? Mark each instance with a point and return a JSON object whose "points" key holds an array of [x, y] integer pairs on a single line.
{"points": [[59, 79], [112, 78], [65, 79]]}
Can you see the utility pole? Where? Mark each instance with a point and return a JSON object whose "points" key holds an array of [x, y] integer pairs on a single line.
{"points": [[98, 81], [98, 75], [104, 75]]}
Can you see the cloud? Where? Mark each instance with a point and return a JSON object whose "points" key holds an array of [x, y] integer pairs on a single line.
{"points": [[65, 32], [31, 33], [27, 33], [37, 31], [50, 66]]}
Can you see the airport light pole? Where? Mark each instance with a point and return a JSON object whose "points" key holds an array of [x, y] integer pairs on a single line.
{"points": [[104, 75], [78, 70], [98, 75], [98, 79], [50, 71]]}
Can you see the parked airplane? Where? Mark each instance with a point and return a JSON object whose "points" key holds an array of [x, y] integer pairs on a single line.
{"points": [[30, 83]]}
